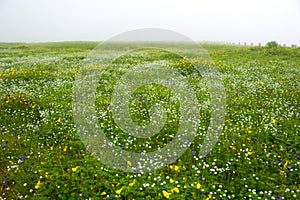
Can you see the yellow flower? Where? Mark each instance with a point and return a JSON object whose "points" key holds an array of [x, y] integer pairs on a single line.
{"points": [[198, 186], [176, 168], [65, 149], [103, 193], [40, 170], [209, 197], [250, 153], [166, 194], [59, 120], [175, 189], [281, 172], [74, 169], [285, 164], [274, 121], [132, 184], [119, 191], [46, 174], [171, 180], [233, 148], [38, 185], [129, 163]]}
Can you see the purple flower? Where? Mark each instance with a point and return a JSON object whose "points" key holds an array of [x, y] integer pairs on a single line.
{"points": [[289, 169], [193, 152], [174, 159], [5, 146], [298, 157], [278, 197], [280, 160], [21, 157], [291, 155]]}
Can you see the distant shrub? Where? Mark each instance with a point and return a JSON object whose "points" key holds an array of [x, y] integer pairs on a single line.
{"points": [[20, 46], [272, 44]]}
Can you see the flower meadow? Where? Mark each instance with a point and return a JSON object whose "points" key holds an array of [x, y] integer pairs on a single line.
{"points": [[257, 155]]}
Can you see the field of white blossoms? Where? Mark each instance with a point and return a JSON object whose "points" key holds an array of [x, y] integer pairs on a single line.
{"points": [[257, 155]]}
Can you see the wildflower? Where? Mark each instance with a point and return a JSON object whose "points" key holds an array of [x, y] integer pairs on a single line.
{"points": [[74, 169], [281, 173], [298, 157], [38, 185], [166, 194], [129, 163], [103, 193], [59, 120], [193, 152], [250, 153], [198, 186], [175, 189], [171, 180], [132, 184], [282, 149], [65, 149], [209, 197], [285, 164], [280, 160], [274, 121], [176, 168], [119, 191], [233, 148], [278, 197]]}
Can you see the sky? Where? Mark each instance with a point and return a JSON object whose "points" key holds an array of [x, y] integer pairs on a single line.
{"points": [[257, 21]]}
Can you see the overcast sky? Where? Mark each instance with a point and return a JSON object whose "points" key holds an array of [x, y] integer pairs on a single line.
{"points": [[201, 20]]}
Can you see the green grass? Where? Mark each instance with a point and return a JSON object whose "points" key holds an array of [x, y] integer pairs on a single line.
{"points": [[257, 155]]}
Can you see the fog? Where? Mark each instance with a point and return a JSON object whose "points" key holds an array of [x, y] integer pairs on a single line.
{"points": [[201, 20]]}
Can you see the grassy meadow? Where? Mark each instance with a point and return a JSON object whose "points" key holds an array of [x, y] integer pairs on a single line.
{"points": [[256, 157]]}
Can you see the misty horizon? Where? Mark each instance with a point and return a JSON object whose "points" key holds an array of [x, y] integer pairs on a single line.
{"points": [[251, 22]]}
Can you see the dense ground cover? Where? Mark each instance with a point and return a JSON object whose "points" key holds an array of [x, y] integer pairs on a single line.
{"points": [[257, 156]]}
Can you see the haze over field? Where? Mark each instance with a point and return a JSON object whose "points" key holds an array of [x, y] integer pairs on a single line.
{"points": [[201, 20]]}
